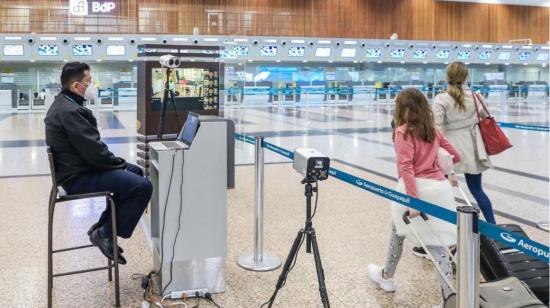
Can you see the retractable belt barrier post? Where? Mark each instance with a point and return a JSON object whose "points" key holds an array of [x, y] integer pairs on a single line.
{"points": [[468, 257], [495, 232], [259, 260]]}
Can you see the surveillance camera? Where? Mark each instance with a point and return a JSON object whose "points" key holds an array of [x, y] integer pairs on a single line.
{"points": [[411, 46], [434, 46], [337, 43], [164, 41], [284, 43], [30, 41], [65, 41], [477, 47], [536, 49], [363, 45], [99, 41], [498, 48], [310, 43], [387, 45], [169, 61], [517, 48], [196, 41], [132, 41], [255, 42], [456, 46]]}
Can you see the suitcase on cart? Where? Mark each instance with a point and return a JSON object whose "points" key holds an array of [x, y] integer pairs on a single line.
{"points": [[500, 261], [509, 292]]}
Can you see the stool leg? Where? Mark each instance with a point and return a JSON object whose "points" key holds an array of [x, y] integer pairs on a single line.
{"points": [[110, 270], [50, 249], [115, 250]]}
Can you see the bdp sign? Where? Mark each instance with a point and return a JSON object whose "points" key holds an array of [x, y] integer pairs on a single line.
{"points": [[86, 7]]}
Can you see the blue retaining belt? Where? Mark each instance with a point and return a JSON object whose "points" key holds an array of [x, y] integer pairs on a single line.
{"points": [[495, 232], [525, 127]]}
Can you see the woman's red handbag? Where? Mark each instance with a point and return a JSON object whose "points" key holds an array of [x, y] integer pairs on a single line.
{"points": [[495, 140]]}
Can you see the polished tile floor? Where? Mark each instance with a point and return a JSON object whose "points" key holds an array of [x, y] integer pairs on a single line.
{"points": [[352, 224]]}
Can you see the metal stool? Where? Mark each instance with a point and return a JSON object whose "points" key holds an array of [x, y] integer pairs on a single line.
{"points": [[56, 197]]}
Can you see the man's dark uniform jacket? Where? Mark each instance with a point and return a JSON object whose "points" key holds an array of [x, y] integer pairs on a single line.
{"points": [[71, 133]]}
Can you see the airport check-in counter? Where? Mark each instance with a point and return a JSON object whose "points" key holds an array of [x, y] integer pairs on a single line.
{"points": [[199, 187]]}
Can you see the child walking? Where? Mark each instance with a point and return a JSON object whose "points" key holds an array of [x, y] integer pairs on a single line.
{"points": [[417, 143]]}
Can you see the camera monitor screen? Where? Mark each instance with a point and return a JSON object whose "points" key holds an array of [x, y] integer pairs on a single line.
{"points": [[190, 128], [322, 52], [116, 50], [374, 52], [296, 51], [48, 50], [268, 51], [504, 55], [443, 54], [82, 50], [420, 53], [397, 53], [524, 55], [484, 55], [13, 50], [348, 52], [463, 55]]}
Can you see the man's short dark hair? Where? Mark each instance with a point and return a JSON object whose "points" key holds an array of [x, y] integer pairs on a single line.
{"points": [[71, 72]]}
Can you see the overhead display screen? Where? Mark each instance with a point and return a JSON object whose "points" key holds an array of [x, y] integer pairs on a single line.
{"points": [[296, 51], [268, 51], [484, 54], [420, 53], [232, 52], [13, 50], [116, 50], [443, 54], [322, 52], [374, 52], [524, 55], [397, 53], [463, 54], [504, 55], [348, 52], [542, 56], [48, 50], [82, 50]]}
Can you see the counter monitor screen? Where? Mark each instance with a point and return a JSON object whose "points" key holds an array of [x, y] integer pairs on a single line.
{"points": [[48, 50], [13, 50], [542, 56], [374, 52], [504, 55], [463, 55], [296, 51], [524, 55], [397, 53], [420, 53], [116, 50], [190, 128], [443, 54], [484, 55], [348, 52], [232, 52], [322, 52], [82, 50], [268, 51]]}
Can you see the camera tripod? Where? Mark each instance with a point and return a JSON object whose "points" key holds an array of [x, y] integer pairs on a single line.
{"points": [[311, 242], [168, 95]]}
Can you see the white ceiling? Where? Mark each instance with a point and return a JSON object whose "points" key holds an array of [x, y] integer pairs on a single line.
{"points": [[545, 3]]}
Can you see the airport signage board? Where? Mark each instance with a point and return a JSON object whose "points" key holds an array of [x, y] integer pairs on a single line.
{"points": [[87, 7]]}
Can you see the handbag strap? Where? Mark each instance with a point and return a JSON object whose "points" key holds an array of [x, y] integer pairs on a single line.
{"points": [[474, 95]]}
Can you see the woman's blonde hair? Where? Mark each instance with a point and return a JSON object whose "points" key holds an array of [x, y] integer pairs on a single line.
{"points": [[457, 72], [412, 108]]}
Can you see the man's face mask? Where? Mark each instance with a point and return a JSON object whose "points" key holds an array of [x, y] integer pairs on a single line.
{"points": [[91, 91]]}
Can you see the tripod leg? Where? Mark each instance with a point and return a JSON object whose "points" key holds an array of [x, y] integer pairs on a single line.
{"points": [[320, 271], [288, 264]]}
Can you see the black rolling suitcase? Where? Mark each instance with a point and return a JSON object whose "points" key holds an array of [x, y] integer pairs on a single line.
{"points": [[499, 261]]}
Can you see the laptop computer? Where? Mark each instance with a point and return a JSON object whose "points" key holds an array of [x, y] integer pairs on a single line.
{"points": [[187, 134]]}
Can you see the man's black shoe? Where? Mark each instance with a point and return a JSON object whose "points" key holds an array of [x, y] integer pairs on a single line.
{"points": [[95, 226], [105, 245]]}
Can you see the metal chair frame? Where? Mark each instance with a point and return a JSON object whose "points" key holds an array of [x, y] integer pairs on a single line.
{"points": [[55, 198]]}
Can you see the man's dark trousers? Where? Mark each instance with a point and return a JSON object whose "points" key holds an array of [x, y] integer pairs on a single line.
{"points": [[131, 190]]}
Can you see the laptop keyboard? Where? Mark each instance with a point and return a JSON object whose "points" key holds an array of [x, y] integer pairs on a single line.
{"points": [[171, 144]]}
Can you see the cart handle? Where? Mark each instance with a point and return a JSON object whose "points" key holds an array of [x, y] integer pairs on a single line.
{"points": [[407, 220]]}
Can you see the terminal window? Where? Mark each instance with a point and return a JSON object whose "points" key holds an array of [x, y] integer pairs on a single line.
{"points": [[268, 51], [296, 51], [322, 52], [524, 55], [82, 50], [374, 52], [463, 55], [13, 50], [348, 52], [443, 54], [420, 53], [397, 53]]}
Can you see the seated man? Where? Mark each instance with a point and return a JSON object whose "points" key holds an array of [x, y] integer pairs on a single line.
{"points": [[84, 164]]}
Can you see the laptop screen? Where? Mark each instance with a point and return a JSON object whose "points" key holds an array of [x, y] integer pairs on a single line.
{"points": [[189, 129]]}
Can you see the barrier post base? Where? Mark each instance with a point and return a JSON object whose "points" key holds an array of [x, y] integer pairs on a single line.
{"points": [[268, 262]]}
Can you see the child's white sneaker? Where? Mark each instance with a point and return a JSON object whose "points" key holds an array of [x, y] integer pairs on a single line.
{"points": [[375, 274]]}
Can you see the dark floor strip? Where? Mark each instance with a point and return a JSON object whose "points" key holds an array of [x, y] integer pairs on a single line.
{"points": [[23, 175], [499, 213], [524, 174], [110, 121], [4, 116], [271, 163]]}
